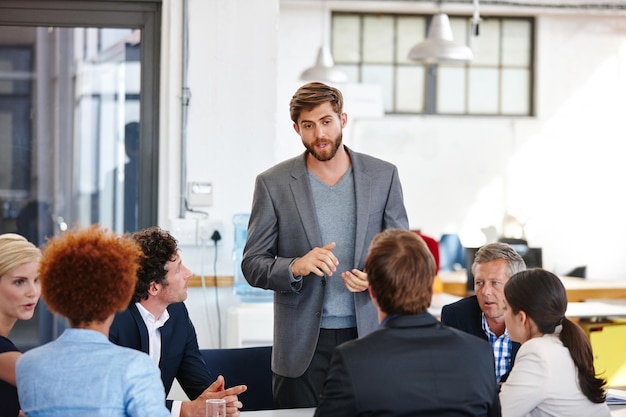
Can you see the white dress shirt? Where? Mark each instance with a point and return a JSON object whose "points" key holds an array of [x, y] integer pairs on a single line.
{"points": [[154, 342]]}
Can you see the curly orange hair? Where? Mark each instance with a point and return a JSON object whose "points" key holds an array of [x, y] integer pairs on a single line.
{"points": [[87, 275]]}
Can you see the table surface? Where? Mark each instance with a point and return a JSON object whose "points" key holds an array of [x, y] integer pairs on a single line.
{"points": [[595, 309], [581, 310], [296, 412], [439, 300], [578, 289], [616, 411], [575, 283]]}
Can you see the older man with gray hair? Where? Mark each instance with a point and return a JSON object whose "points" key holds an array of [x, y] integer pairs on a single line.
{"points": [[482, 314]]}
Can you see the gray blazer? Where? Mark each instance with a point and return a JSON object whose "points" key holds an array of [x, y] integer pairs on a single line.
{"points": [[283, 226]]}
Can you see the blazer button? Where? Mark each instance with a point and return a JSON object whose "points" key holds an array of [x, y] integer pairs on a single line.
{"points": [[323, 282], [317, 314]]}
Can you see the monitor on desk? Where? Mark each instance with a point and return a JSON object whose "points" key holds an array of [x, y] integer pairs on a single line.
{"points": [[532, 257]]}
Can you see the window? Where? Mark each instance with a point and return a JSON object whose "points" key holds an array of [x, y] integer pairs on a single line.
{"points": [[373, 48]]}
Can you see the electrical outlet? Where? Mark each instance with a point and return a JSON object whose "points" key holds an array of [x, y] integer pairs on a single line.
{"points": [[206, 227], [196, 231]]}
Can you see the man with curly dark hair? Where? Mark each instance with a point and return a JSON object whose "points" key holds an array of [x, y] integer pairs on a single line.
{"points": [[87, 276], [157, 322]]}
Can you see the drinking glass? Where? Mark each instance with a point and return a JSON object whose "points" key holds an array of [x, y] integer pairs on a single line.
{"points": [[216, 408]]}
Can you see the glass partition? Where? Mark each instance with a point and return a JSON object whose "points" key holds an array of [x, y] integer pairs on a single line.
{"points": [[78, 124]]}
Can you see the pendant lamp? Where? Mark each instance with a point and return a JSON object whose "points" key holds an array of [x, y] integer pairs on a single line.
{"points": [[324, 69], [439, 46]]}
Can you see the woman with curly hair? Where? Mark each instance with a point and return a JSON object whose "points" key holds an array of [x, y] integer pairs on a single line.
{"points": [[87, 276], [553, 373], [19, 293]]}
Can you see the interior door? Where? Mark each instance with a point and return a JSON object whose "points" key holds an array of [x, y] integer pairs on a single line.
{"points": [[78, 123]]}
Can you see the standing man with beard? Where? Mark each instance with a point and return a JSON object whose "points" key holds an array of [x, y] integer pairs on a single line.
{"points": [[312, 220]]}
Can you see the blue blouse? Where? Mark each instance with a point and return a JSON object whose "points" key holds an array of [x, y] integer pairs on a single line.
{"points": [[83, 374]]}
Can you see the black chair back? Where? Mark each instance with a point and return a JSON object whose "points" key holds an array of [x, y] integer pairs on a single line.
{"points": [[249, 366]]}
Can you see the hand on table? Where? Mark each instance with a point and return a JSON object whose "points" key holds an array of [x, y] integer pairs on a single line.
{"points": [[215, 391]]}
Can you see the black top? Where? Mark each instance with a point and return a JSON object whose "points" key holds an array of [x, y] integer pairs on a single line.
{"points": [[9, 405]]}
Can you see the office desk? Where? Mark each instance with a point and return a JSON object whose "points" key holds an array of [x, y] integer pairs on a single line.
{"points": [[439, 300], [581, 289], [296, 412], [595, 310], [454, 282], [578, 289], [616, 411]]}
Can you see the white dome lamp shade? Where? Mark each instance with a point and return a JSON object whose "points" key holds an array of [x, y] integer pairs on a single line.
{"points": [[439, 46], [324, 69]]}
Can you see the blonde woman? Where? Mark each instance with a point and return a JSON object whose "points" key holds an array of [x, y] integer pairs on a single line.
{"points": [[19, 293]]}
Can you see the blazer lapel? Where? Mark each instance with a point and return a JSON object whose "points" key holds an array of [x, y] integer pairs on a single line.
{"points": [[166, 336], [141, 325], [363, 195], [301, 190]]}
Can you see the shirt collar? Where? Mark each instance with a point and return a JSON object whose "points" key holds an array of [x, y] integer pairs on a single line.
{"points": [[148, 317], [488, 331]]}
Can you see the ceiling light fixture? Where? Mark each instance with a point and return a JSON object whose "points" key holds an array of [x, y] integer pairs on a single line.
{"points": [[324, 69], [439, 45]]}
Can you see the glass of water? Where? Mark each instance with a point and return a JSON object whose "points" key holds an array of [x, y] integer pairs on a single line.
{"points": [[216, 408]]}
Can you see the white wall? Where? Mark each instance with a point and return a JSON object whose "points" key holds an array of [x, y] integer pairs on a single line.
{"points": [[561, 170]]}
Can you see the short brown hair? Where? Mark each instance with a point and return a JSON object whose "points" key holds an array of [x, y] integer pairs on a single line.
{"points": [[87, 275], [313, 94], [401, 270]]}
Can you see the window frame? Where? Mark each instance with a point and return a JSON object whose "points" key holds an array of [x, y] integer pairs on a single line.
{"points": [[431, 72], [140, 14]]}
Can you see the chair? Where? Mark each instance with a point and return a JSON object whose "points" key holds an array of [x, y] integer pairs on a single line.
{"points": [[249, 366], [578, 272], [533, 257], [520, 245], [433, 246], [451, 252]]}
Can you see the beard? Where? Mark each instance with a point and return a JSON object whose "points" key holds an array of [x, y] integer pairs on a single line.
{"points": [[328, 154]]}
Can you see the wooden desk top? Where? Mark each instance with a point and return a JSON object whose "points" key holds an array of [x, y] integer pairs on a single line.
{"points": [[578, 289]]}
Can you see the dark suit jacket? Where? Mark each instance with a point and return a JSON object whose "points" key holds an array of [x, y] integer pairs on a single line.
{"points": [[180, 356], [284, 225], [412, 366], [466, 315]]}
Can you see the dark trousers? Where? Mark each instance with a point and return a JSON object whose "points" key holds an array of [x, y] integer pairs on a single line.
{"points": [[304, 391]]}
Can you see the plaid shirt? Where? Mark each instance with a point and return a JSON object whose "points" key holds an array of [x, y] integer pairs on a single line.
{"points": [[501, 349]]}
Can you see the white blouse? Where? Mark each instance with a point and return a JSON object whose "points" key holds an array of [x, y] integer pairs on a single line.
{"points": [[544, 382]]}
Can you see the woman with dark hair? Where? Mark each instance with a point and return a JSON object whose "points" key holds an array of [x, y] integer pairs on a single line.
{"points": [[87, 276], [553, 373], [19, 293]]}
